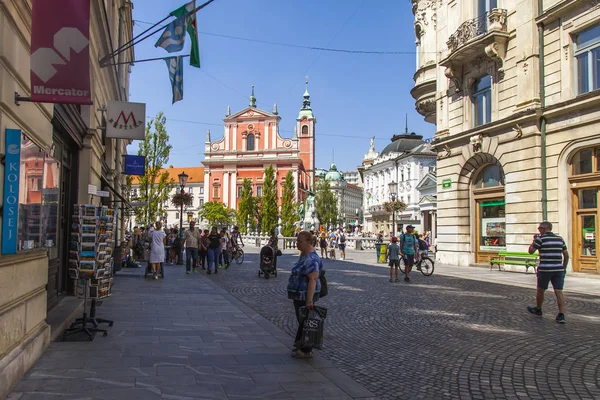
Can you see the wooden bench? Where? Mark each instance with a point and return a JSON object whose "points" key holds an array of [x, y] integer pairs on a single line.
{"points": [[515, 258]]}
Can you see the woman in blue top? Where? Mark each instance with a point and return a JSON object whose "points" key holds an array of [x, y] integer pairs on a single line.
{"points": [[304, 286]]}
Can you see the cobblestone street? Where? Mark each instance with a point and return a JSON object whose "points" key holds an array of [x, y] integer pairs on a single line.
{"points": [[439, 337]]}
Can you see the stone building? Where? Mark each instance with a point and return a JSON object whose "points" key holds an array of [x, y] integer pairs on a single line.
{"points": [[250, 143], [409, 162], [512, 90], [353, 177], [170, 216], [349, 196], [63, 150]]}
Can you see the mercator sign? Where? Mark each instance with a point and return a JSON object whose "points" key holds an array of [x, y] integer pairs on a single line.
{"points": [[12, 173], [60, 51]]}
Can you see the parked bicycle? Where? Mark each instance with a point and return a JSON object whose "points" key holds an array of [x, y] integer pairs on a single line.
{"points": [[425, 264]]}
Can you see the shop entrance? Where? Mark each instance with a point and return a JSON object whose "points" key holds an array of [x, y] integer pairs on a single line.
{"points": [[490, 213], [585, 178]]}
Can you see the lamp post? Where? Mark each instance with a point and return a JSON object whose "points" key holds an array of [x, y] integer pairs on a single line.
{"points": [[183, 177], [393, 187]]}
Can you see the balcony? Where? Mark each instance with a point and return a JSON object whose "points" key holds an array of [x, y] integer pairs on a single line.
{"points": [[424, 91], [484, 35]]}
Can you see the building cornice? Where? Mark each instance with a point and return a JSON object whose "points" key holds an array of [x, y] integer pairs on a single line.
{"points": [[560, 9]]}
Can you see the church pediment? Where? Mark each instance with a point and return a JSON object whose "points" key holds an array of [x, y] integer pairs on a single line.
{"points": [[428, 180], [251, 113]]}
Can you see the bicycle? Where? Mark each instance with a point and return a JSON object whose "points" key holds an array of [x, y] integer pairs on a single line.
{"points": [[238, 255], [425, 264]]}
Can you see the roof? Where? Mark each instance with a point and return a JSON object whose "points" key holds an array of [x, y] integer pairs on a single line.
{"points": [[406, 143], [195, 174]]}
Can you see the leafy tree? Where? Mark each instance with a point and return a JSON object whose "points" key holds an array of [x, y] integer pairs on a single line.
{"points": [[247, 206], [216, 213], [155, 185], [326, 203], [269, 201], [289, 206]]}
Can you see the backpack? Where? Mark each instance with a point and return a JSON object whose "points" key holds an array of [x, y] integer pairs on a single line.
{"points": [[323, 281], [177, 242], [423, 244], [342, 238]]}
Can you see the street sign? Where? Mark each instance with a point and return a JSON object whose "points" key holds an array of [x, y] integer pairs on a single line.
{"points": [[102, 193], [446, 183], [139, 204], [92, 189], [135, 165], [126, 120]]}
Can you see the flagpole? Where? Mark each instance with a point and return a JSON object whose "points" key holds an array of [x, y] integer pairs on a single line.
{"points": [[135, 40], [145, 60]]}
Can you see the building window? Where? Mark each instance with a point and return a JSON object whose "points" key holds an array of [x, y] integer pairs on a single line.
{"points": [[491, 176], [484, 6], [216, 192], [250, 142], [418, 45], [482, 100], [259, 191], [201, 202], [305, 129], [134, 192], [587, 57], [176, 215], [191, 190], [239, 191], [201, 189]]}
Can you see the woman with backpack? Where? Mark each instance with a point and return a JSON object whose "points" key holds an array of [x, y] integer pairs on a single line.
{"points": [[341, 240]]}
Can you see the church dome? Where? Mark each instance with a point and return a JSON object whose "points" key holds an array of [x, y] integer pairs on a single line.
{"points": [[320, 173], [403, 143], [334, 174]]}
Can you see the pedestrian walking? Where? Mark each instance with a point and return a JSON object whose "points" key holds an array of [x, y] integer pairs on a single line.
{"points": [[341, 240], [157, 248], [554, 259], [393, 255], [203, 249], [224, 252], [176, 247], [409, 249], [304, 286], [323, 245], [192, 240], [214, 247]]}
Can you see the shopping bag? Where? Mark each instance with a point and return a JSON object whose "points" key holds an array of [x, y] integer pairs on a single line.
{"points": [[313, 321]]}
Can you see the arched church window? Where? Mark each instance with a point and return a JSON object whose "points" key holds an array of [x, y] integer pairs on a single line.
{"points": [[490, 176], [250, 142], [305, 129]]}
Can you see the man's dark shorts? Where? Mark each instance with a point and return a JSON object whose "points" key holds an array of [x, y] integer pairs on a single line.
{"points": [[556, 277], [409, 260], [395, 263], [342, 246]]}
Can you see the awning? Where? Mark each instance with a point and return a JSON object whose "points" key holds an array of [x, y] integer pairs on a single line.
{"points": [[112, 189]]}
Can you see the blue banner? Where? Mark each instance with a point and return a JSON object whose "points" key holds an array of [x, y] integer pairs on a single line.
{"points": [[12, 172], [135, 165]]}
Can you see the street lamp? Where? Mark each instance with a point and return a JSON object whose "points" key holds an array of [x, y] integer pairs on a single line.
{"points": [[393, 187], [183, 177]]}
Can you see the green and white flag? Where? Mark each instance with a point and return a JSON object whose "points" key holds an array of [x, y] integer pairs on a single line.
{"points": [[192, 30]]}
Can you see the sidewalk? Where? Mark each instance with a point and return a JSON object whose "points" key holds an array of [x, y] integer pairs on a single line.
{"points": [[182, 338]]}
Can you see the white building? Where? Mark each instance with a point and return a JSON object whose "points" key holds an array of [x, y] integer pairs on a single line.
{"points": [[410, 162], [353, 178], [171, 214], [349, 196]]}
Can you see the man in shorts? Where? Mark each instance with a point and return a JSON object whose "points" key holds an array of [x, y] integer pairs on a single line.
{"points": [[554, 259], [409, 249], [393, 254], [341, 241]]}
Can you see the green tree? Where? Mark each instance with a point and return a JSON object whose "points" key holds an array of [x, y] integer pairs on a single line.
{"points": [[216, 213], [269, 201], [326, 200], [247, 206], [155, 185], [289, 206]]}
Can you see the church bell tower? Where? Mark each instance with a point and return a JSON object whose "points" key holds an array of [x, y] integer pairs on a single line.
{"points": [[305, 128]]}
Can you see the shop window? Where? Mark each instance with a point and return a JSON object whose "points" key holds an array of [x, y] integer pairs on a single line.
{"points": [[481, 96], [250, 142], [588, 198], [587, 59], [491, 176], [492, 225], [583, 162]]}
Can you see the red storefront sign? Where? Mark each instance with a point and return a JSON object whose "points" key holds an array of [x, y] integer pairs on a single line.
{"points": [[60, 51]]}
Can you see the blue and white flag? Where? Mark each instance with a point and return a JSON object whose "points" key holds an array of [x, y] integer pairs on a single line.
{"points": [[175, 66], [173, 37]]}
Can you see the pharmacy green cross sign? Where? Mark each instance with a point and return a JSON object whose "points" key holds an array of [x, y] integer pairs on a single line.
{"points": [[446, 183]]}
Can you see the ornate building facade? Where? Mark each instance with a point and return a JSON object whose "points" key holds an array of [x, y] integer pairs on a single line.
{"points": [[512, 90], [250, 143], [349, 196], [409, 162]]}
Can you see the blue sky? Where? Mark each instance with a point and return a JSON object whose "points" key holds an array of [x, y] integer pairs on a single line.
{"points": [[354, 96]]}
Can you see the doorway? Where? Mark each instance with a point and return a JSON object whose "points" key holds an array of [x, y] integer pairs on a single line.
{"points": [[490, 213]]}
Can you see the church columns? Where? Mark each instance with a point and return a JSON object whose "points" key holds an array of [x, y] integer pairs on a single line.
{"points": [[234, 136], [267, 125], [226, 136], [233, 192], [274, 136], [226, 188]]}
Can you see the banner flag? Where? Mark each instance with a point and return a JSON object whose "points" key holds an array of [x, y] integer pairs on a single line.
{"points": [[192, 30], [173, 37], [175, 66], [60, 52]]}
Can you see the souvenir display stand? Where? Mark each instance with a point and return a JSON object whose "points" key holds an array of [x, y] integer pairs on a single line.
{"points": [[91, 262]]}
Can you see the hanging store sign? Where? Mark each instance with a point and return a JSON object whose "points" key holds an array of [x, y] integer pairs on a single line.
{"points": [[126, 120], [60, 51], [135, 165], [12, 173], [446, 183]]}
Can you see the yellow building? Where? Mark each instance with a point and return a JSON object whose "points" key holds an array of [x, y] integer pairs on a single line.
{"points": [[63, 150]]}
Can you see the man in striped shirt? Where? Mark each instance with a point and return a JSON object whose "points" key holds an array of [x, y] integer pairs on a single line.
{"points": [[554, 258]]}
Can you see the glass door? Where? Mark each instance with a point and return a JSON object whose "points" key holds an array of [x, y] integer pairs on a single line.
{"points": [[491, 229], [585, 226]]}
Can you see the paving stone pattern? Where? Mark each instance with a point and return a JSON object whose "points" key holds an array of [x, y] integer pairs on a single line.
{"points": [[182, 338], [439, 337]]}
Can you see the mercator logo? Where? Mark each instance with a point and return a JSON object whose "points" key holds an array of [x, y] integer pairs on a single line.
{"points": [[44, 59], [122, 121]]}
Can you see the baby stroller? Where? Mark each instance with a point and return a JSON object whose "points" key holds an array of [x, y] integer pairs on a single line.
{"points": [[268, 262]]}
